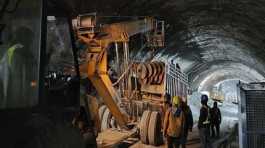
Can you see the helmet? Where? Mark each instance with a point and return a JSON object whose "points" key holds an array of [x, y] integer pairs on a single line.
{"points": [[204, 99], [175, 100], [215, 104]]}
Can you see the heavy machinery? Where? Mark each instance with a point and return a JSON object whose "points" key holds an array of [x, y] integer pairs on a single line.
{"points": [[41, 96], [98, 39], [141, 86], [152, 93]]}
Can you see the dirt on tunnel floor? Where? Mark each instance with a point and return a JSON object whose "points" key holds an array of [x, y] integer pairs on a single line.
{"points": [[193, 141]]}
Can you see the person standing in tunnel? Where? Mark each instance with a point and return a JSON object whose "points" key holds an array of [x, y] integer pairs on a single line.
{"points": [[204, 123], [173, 124], [167, 101], [17, 69], [188, 121], [215, 119]]}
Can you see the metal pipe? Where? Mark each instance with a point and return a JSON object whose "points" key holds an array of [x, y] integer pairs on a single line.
{"points": [[171, 90], [117, 57], [175, 85], [126, 52], [126, 63], [172, 86], [168, 84], [122, 77]]}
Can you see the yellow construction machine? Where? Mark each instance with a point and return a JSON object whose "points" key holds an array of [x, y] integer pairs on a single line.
{"points": [[98, 37], [140, 88]]}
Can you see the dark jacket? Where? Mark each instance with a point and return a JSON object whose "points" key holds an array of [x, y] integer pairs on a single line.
{"points": [[188, 119], [215, 116], [204, 119]]}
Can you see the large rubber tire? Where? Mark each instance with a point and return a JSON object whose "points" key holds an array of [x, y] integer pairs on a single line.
{"points": [[105, 122], [154, 129], [113, 123], [144, 126], [101, 111]]}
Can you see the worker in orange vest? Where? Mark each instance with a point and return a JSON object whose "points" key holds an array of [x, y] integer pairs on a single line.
{"points": [[174, 124]]}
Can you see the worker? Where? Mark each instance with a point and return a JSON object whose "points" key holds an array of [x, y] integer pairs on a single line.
{"points": [[167, 104], [188, 121], [167, 101], [204, 123], [174, 124], [16, 66], [215, 119], [5, 65]]}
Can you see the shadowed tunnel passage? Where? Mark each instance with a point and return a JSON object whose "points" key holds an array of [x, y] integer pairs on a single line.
{"points": [[203, 36], [213, 41]]}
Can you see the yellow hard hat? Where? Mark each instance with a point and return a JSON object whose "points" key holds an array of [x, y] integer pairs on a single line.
{"points": [[175, 100]]}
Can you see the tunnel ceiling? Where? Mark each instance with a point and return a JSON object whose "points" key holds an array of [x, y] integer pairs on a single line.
{"points": [[200, 33], [227, 71]]}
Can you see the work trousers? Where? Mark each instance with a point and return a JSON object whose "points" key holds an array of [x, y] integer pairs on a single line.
{"points": [[184, 141], [205, 137], [173, 142], [215, 127]]}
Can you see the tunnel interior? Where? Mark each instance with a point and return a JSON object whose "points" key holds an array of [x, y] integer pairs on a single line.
{"points": [[216, 43], [212, 41]]}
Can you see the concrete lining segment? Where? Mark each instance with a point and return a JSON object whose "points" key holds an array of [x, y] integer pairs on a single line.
{"points": [[209, 78]]}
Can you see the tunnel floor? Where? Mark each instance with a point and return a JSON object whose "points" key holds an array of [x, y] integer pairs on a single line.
{"points": [[193, 141]]}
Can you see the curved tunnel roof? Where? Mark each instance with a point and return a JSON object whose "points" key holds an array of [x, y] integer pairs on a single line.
{"points": [[212, 40]]}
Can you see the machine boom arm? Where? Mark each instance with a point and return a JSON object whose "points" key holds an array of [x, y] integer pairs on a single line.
{"points": [[122, 31], [97, 55]]}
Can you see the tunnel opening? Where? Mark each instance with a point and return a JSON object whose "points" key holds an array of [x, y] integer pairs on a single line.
{"points": [[220, 83]]}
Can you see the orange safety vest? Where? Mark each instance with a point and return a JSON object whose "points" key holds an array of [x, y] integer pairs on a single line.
{"points": [[173, 126]]}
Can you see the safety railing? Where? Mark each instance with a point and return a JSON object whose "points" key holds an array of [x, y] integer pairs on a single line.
{"points": [[177, 83]]}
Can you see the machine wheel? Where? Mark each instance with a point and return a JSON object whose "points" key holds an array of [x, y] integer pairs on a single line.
{"points": [[105, 122], [101, 111], [144, 126], [113, 123], [154, 129]]}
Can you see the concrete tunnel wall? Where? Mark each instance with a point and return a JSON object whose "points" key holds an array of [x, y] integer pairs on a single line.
{"points": [[199, 33], [212, 40]]}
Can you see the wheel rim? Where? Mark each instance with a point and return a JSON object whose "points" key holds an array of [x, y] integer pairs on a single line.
{"points": [[105, 120], [154, 128], [144, 126], [101, 111]]}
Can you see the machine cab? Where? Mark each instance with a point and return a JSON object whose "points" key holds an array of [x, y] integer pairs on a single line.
{"points": [[20, 53], [31, 69]]}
